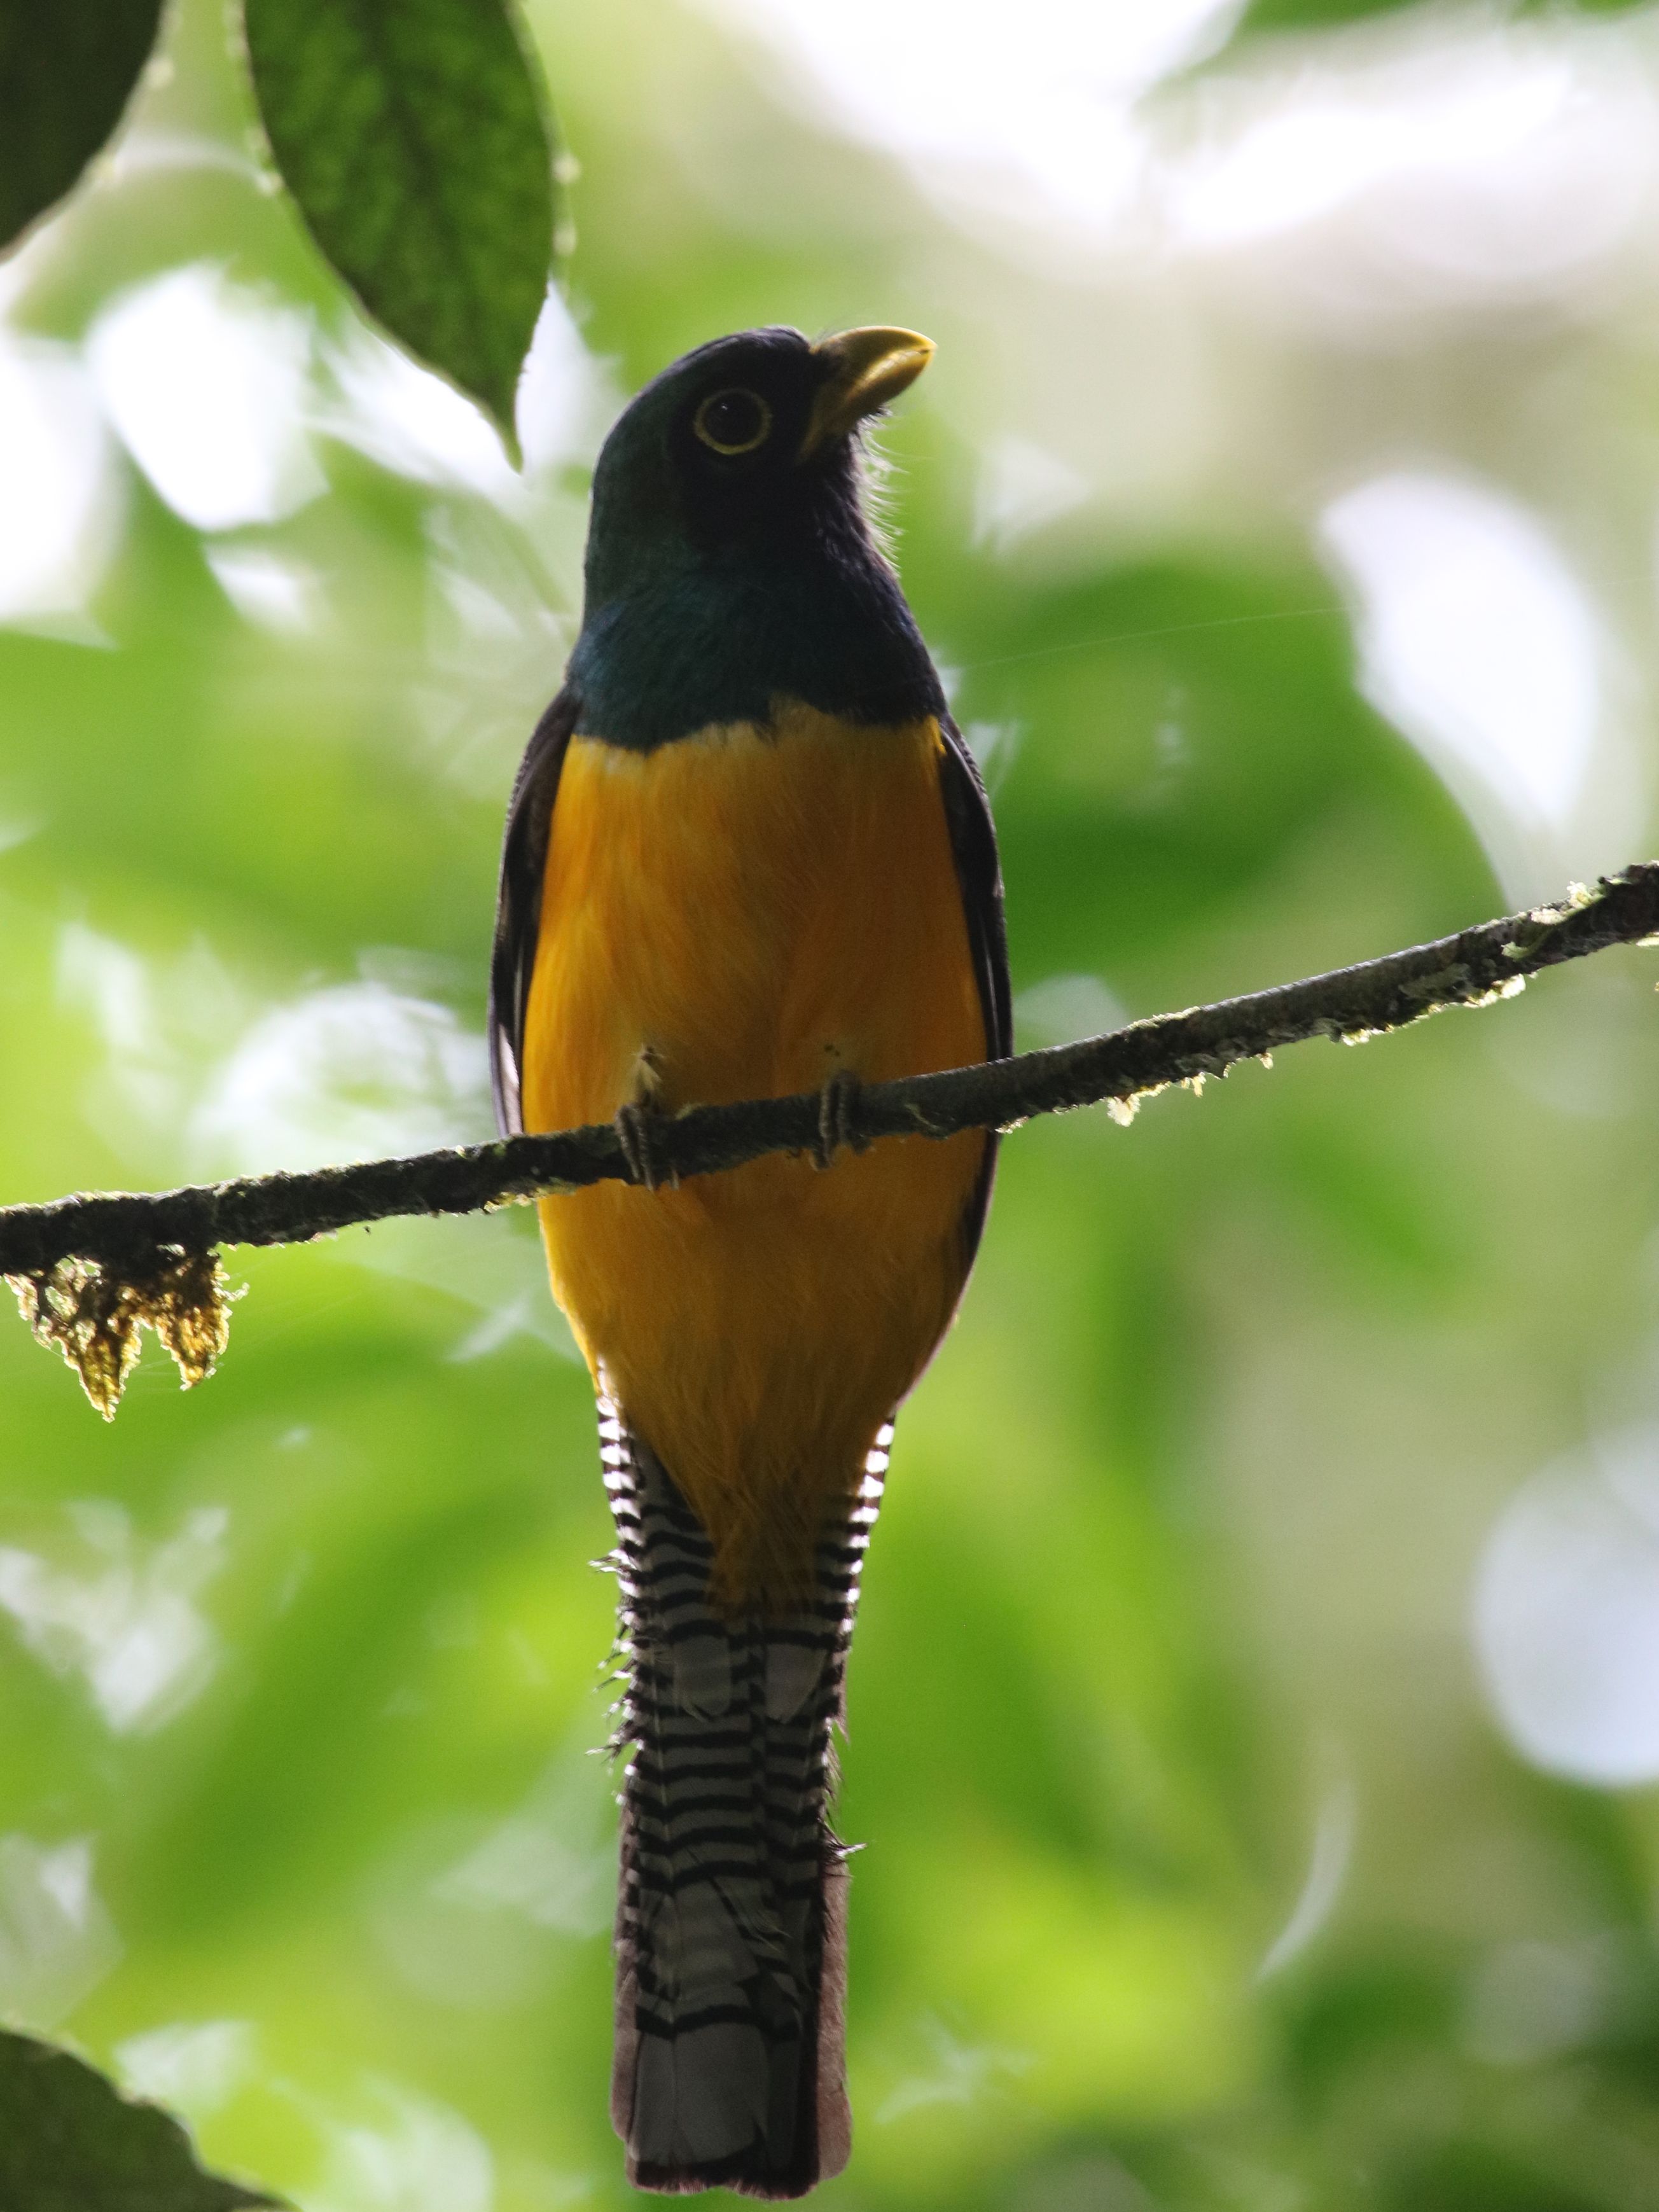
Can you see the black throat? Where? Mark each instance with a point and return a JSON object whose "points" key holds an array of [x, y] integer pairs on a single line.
{"points": [[716, 629]]}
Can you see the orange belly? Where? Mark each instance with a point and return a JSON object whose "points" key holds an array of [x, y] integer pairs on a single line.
{"points": [[755, 910]]}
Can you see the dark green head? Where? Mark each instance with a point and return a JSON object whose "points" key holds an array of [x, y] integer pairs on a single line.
{"points": [[730, 562]]}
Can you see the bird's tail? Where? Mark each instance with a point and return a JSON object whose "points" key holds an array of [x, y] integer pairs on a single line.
{"points": [[731, 1931]]}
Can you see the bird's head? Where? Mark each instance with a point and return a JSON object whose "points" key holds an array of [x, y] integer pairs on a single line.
{"points": [[745, 444]]}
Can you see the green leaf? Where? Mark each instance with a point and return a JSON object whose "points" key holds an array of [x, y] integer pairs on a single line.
{"points": [[1329, 15], [70, 2142], [414, 136], [67, 72], [1311, 15]]}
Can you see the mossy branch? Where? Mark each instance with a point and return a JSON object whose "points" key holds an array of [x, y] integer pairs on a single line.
{"points": [[91, 1270]]}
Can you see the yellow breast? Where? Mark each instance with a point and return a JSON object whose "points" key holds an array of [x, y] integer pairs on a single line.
{"points": [[741, 914]]}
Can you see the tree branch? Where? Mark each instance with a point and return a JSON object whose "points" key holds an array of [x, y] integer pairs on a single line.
{"points": [[130, 1236]]}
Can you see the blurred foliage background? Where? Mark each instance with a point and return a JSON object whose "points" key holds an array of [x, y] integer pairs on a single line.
{"points": [[1254, 1715]]}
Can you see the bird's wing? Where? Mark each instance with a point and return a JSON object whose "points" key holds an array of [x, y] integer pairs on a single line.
{"points": [[519, 903], [978, 872]]}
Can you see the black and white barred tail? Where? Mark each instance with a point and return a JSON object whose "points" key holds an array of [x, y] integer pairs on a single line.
{"points": [[730, 2065]]}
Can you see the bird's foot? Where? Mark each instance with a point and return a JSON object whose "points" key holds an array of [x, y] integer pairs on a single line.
{"points": [[639, 1123], [837, 1112], [639, 1127]]}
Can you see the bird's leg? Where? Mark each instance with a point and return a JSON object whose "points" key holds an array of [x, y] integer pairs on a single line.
{"points": [[837, 1107], [639, 1122]]}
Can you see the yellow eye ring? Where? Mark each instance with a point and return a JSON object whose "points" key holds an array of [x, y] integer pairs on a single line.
{"points": [[733, 420]]}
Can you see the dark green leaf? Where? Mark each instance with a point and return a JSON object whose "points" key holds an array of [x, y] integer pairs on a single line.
{"points": [[70, 2142], [66, 73], [413, 135]]}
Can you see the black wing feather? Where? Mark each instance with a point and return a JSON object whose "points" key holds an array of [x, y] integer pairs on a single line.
{"points": [[519, 904], [978, 872]]}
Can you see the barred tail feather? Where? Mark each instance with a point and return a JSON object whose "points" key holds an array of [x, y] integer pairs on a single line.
{"points": [[731, 1919]]}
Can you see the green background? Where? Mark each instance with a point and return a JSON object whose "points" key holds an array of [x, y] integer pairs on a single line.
{"points": [[1168, 1618]]}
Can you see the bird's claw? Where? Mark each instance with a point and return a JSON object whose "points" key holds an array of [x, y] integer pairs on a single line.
{"points": [[639, 1132], [837, 1110]]}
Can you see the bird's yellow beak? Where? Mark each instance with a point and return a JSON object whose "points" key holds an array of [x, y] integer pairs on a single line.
{"points": [[864, 368]]}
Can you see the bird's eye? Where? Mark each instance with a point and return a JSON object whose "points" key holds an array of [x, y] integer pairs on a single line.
{"points": [[735, 420]]}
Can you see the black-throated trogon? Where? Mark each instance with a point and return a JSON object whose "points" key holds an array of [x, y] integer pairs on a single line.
{"points": [[748, 854]]}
